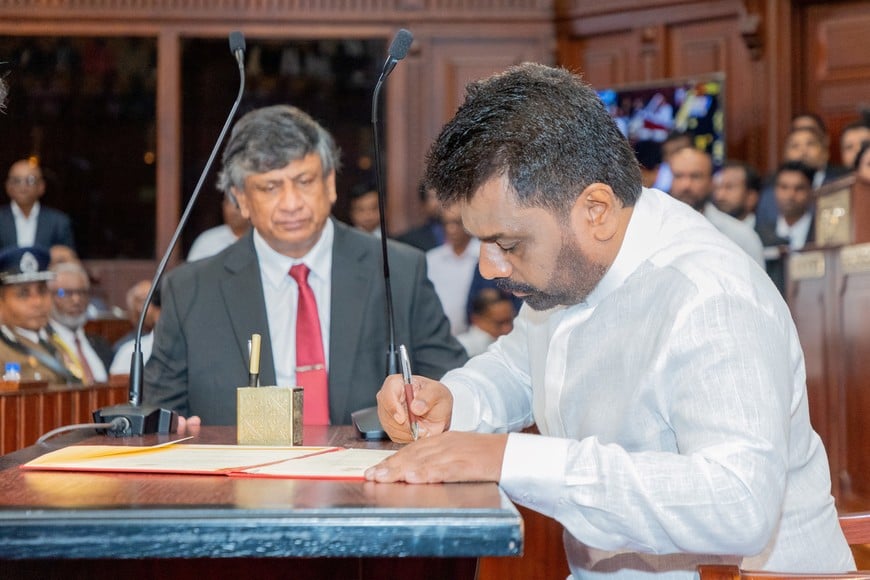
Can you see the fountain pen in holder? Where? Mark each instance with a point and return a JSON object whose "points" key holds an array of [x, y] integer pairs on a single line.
{"points": [[267, 415]]}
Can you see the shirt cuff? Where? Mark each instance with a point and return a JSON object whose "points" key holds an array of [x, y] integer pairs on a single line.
{"points": [[532, 472], [465, 408]]}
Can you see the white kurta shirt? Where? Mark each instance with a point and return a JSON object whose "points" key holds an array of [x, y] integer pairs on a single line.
{"points": [[673, 408]]}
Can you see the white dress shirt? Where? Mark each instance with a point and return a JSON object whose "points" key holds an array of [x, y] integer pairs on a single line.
{"points": [[210, 242], [68, 336], [797, 233], [451, 274], [475, 340], [673, 410], [737, 231], [25, 226], [282, 295], [124, 357]]}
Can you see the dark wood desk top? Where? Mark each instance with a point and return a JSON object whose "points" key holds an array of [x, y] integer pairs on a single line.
{"points": [[97, 515]]}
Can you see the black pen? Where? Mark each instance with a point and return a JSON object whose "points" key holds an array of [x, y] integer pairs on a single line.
{"points": [[254, 369], [409, 389]]}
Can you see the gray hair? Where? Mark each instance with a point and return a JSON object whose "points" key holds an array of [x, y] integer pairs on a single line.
{"points": [[70, 268], [269, 138]]}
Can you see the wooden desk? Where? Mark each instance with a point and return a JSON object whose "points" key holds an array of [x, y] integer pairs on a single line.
{"points": [[73, 522]]}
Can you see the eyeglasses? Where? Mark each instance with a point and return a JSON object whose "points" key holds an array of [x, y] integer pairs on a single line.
{"points": [[29, 180], [72, 293]]}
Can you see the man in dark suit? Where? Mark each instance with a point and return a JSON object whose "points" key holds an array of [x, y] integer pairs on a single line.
{"points": [[430, 234], [280, 166], [26, 222], [794, 226]]}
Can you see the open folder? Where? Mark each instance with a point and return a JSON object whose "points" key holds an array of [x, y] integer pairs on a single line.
{"points": [[231, 460]]}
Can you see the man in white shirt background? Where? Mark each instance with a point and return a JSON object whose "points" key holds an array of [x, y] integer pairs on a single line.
{"points": [[693, 184], [492, 315], [451, 268], [70, 294], [25, 221], [215, 239]]}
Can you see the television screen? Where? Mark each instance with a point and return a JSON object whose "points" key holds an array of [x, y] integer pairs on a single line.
{"points": [[646, 114]]}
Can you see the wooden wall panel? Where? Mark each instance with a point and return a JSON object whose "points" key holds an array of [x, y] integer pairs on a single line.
{"points": [[810, 296], [855, 352], [836, 63]]}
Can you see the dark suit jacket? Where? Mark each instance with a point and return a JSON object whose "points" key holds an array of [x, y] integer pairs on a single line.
{"points": [[422, 237], [52, 227], [210, 309], [776, 266]]}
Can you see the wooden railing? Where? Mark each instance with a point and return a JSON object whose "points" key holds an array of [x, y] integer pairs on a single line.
{"points": [[27, 413]]}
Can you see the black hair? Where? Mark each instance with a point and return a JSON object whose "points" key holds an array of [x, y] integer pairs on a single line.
{"points": [[542, 128]]}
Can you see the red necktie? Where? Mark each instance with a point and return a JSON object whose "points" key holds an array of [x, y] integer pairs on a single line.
{"points": [[310, 362], [88, 377]]}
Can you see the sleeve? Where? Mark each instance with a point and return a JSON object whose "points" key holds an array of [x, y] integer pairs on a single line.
{"points": [[165, 377], [435, 351], [492, 393], [728, 394]]}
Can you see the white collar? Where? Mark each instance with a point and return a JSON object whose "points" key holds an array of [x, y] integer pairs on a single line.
{"points": [[275, 266]]}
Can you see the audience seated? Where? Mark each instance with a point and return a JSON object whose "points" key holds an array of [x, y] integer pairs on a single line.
{"points": [[431, 233], [673, 142], [492, 315], [364, 213], [25, 221], [85, 356], [693, 184], [808, 142], [451, 267], [215, 239], [793, 227], [736, 189], [124, 348], [25, 303]]}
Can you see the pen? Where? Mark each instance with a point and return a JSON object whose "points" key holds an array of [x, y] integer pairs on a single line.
{"points": [[409, 389], [254, 369]]}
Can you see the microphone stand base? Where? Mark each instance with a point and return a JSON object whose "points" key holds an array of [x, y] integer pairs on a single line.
{"points": [[140, 420]]}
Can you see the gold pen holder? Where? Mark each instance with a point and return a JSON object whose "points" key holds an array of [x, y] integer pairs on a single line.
{"points": [[269, 415]]}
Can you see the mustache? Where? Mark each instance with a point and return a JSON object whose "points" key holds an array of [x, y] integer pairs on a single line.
{"points": [[508, 285]]}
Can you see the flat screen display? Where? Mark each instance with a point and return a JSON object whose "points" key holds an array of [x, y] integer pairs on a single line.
{"points": [[647, 113]]}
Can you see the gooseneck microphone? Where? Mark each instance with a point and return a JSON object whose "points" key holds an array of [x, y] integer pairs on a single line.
{"points": [[140, 419], [398, 50], [366, 420]]}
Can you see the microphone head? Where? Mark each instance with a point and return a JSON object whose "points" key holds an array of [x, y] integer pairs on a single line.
{"points": [[401, 44], [237, 42]]}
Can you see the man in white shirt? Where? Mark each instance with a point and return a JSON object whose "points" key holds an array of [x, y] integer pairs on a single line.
{"points": [[70, 294], [492, 315], [660, 364], [693, 184], [218, 238], [451, 268]]}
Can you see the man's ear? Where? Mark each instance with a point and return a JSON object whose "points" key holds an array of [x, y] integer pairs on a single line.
{"points": [[595, 211], [241, 201]]}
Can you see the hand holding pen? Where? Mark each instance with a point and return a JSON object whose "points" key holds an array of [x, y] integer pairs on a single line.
{"points": [[409, 390]]}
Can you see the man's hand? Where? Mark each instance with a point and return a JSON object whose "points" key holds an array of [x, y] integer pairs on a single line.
{"points": [[432, 404], [189, 426], [448, 457]]}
